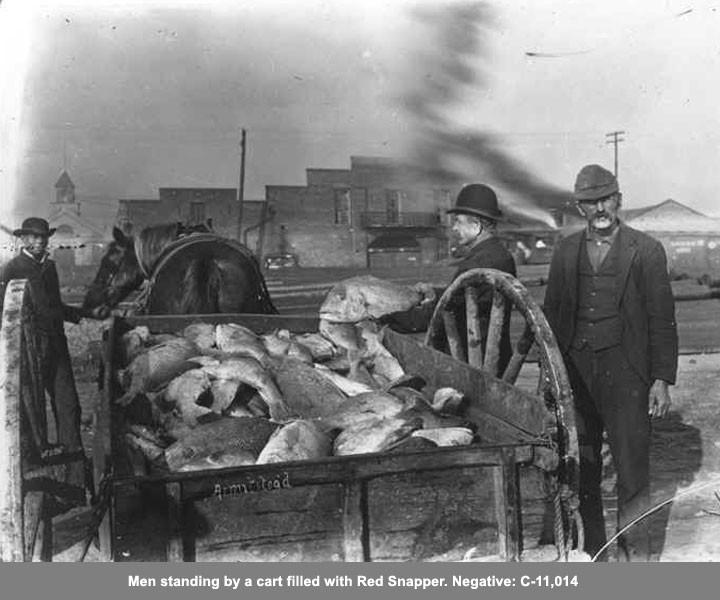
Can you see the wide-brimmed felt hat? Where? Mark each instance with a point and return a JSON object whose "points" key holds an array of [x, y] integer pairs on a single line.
{"points": [[34, 225], [594, 182], [478, 200]]}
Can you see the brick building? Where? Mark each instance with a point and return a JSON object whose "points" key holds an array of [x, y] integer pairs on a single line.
{"points": [[190, 206], [376, 213]]}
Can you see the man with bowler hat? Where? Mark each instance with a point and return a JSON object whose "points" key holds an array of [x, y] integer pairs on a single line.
{"points": [[610, 305], [475, 217], [33, 263]]}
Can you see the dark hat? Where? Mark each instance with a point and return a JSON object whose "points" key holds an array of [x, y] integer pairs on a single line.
{"points": [[594, 182], [478, 200], [34, 225]]}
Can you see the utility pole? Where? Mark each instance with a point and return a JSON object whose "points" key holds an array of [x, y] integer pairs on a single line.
{"points": [[614, 138], [241, 184]]}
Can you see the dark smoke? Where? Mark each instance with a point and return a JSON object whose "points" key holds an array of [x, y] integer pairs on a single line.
{"points": [[442, 150]]}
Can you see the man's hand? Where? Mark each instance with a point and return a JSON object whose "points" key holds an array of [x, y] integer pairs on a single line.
{"points": [[99, 312], [659, 399], [426, 290]]}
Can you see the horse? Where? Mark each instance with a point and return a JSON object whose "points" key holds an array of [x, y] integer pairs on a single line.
{"points": [[186, 270]]}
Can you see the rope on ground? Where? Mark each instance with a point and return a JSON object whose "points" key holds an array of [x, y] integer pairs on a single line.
{"points": [[691, 490]]}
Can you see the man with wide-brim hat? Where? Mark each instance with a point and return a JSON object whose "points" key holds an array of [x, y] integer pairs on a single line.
{"points": [[610, 305], [474, 244], [34, 226], [34, 264]]}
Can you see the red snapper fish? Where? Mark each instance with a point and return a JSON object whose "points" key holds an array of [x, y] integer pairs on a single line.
{"points": [[367, 297]]}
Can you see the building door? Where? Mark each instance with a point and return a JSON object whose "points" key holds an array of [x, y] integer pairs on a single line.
{"points": [[392, 206], [197, 213]]}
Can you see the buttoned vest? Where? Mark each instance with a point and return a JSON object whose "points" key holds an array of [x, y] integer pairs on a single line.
{"points": [[598, 322]]}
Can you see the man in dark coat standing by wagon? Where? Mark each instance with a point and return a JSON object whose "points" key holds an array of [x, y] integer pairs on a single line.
{"points": [[610, 305], [33, 263], [475, 217]]}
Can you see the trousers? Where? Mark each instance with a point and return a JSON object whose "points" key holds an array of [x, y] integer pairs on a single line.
{"points": [[611, 397], [59, 384]]}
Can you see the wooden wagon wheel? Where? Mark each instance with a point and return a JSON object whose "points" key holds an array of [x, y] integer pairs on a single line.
{"points": [[25, 524], [554, 383]]}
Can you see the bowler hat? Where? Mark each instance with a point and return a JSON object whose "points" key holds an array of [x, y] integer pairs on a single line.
{"points": [[34, 225], [594, 182], [478, 200]]}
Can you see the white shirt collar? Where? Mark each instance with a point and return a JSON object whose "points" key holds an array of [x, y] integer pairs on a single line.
{"points": [[29, 255]]}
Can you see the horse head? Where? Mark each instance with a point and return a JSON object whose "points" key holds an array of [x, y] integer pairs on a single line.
{"points": [[119, 274]]}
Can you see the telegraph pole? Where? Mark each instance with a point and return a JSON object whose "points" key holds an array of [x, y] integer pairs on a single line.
{"points": [[241, 184], [614, 138]]}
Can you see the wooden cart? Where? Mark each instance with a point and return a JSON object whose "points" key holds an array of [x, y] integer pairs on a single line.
{"points": [[489, 499]]}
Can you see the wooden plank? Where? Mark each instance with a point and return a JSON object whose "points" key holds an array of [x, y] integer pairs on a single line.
{"points": [[513, 537], [103, 440], [507, 507], [355, 532], [487, 394], [11, 493], [288, 524], [337, 469], [474, 333], [500, 498], [37, 527], [417, 516], [175, 550]]}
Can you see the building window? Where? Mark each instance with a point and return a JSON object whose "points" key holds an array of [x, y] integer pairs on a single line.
{"points": [[343, 214], [393, 205], [197, 212], [65, 230]]}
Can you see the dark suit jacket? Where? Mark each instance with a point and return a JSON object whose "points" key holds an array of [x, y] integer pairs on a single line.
{"points": [[644, 296], [45, 290]]}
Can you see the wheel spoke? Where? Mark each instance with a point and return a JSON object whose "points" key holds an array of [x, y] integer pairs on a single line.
{"points": [[494, 334], [453, 336], [522, 349], [474, 332], [33, 522]]}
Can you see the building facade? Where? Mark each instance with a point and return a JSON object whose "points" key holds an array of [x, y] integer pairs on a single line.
{"points": [[690, 238], [376, 213], [190, 206]]}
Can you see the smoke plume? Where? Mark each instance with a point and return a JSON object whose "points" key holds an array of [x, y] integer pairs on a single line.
{"points": [[447, 151]]}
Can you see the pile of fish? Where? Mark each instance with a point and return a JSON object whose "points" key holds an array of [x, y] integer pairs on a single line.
{"points": [[220, 395]]}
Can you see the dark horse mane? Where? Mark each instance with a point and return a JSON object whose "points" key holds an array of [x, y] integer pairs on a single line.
{"points": [[219, 275], [201, 283], [151, 241]]}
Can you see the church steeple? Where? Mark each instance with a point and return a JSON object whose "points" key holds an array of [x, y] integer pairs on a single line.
{"points": [[64, 189], [65, 195]]}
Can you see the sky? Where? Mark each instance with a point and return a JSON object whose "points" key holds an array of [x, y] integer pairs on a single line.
{"points": [[131, 96]]}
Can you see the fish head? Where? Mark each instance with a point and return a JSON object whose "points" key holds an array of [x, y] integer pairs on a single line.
{"points": [[344, 304], [343, 335]]}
